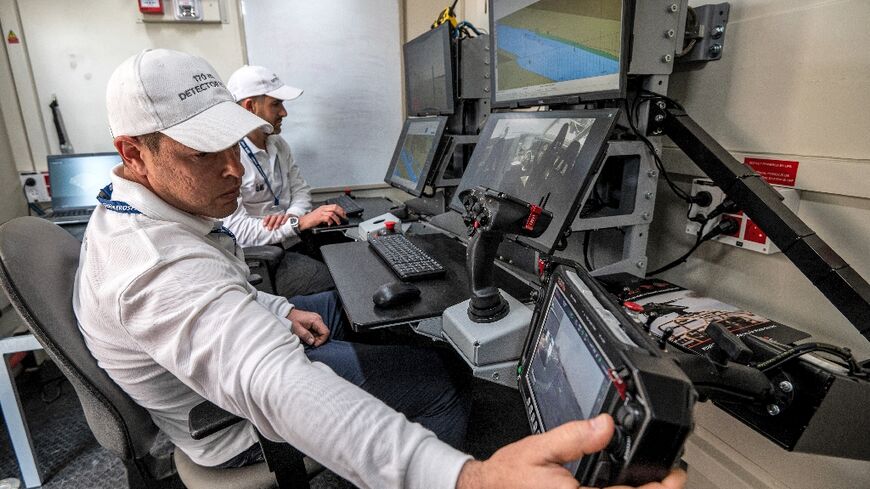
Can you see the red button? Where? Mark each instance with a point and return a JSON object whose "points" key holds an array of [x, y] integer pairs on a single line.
{"points": [[391, 226]]}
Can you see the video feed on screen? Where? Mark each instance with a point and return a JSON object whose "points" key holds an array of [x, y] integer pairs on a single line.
{"points": [[415, 153], [529, 158], [428, 73], [553, 48], [544, 158], [565, 380]]}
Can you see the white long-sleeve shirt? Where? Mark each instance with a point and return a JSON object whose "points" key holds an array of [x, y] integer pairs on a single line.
{"points": [[256, 201], [164, 306]]}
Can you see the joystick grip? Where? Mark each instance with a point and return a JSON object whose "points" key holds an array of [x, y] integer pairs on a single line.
{"points": [[487, 304]]}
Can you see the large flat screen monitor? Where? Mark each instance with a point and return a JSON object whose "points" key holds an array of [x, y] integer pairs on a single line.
{"points": [[547, 158], [558, 51], [429, 73], [415, 153]]}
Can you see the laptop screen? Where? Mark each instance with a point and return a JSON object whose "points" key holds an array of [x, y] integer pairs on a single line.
{"points": [[77, 179]]}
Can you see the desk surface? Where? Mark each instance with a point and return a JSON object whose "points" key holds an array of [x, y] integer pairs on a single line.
{"points": [[373, 207], [358, 272]]}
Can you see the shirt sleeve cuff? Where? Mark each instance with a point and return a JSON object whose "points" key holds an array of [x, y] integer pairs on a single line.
{"points": [[297, 211], [435, 465]]}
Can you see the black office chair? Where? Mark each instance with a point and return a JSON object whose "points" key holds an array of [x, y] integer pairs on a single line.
{"points": [[263, 262], [38, 262]]}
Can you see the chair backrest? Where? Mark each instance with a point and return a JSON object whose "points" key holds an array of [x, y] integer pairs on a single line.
{"points": [[38, 262]]}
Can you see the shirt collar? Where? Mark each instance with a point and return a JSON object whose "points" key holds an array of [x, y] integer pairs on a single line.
{"points": [[152, 206], [270, 149]]}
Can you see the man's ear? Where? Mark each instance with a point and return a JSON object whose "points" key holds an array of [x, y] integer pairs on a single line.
{"points": [[248, 104], [131, 151]]}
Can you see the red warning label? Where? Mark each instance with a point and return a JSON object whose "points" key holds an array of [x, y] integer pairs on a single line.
{"points": [[775, 172]]}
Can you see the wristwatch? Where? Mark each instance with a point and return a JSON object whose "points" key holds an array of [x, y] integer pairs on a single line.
{"points": [[293, 221]]}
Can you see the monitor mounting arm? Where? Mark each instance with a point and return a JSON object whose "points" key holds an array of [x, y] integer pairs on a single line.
{"points": [[827, 271]]}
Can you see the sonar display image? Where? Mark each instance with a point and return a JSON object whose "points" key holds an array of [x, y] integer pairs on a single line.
{"points": [[552, 41]]}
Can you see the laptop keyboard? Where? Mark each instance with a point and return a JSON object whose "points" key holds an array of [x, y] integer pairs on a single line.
{"points": [[72, 213]]}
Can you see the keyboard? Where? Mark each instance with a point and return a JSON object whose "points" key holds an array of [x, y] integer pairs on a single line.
{"points": [[406, 260], [70, 216], [351, 208], [73, 213]]}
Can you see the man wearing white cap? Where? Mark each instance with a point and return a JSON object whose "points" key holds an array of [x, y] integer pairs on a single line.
{"points": [[275, 202], [164, 306]]}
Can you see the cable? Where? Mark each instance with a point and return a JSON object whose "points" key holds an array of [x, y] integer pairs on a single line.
{"points": [[725, 226], [680, 193], [788, 355]]}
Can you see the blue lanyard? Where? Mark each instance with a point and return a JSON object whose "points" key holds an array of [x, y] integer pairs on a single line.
{"points": [[105, 199], [260, 169]]}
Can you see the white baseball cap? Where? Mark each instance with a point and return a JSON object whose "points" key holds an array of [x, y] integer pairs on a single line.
{"points": [[179, 95], [251, 81]]}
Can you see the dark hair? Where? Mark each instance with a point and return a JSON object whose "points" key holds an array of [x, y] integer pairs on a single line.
{"points": [[151, 141]]}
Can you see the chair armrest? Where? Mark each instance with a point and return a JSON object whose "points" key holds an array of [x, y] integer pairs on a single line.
{"points": [[206, 419], [268, 253]]}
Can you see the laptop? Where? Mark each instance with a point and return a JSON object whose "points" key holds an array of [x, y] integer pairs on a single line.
{"points": [[75, 181]]}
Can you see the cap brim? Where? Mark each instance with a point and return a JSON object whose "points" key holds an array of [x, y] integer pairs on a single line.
{"points": [[286, 92], [217, 128]]}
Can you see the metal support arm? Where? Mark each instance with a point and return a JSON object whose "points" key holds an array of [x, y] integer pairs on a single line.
{"points": [[834, 278]]}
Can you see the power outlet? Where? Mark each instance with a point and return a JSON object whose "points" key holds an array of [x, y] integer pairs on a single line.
{"points": [[35, 188], [748, 235], [703, 185]]}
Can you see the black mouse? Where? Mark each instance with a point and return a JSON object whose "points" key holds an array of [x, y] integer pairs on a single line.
{"points": [[395, 294]]}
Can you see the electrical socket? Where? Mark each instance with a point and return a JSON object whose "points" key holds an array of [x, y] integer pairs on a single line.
{"points": [[748, 236], [38, 192], [703, 185]]}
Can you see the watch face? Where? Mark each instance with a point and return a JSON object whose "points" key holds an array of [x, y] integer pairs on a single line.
{"points": [[293, 222]]}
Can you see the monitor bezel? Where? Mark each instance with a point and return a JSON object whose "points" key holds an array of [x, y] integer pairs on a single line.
{"points": [[444, 31], [425, 172], [569, 98], [598, 136]]}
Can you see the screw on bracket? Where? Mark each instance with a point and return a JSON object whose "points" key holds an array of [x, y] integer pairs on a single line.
{"points": [[715, 50]]}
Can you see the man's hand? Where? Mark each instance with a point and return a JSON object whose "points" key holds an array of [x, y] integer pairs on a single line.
{"points": [[325, 214], [308, 326], [537, 461], [274, 221]]}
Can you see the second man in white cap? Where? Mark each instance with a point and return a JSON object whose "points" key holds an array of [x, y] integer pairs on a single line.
{"points": [[275, 201]]}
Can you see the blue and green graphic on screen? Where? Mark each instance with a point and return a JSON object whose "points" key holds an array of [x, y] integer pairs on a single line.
{"points": [[416, 151], [556, 47]]}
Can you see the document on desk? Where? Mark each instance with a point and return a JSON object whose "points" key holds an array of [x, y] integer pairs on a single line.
{"points": [[686, 314]]}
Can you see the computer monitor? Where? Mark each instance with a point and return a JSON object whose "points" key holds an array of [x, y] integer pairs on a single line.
{"points": [[76, 179], [557, 52], [429, 73], [545, 158], [415, 153]]}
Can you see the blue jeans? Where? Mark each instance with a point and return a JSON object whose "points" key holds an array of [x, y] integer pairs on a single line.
{"points": [[414, 381]]}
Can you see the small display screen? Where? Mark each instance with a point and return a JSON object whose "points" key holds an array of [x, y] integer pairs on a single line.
{"points": [[553, 48], [566, 375], [412, 160], [429, 73], [77, 179]]}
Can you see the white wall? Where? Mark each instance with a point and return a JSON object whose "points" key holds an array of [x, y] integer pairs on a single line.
{"points": [[73, 49]]}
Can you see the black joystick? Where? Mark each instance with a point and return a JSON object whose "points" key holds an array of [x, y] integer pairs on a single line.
{"points": [[489, 215]]}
